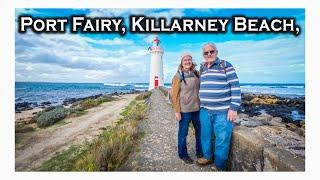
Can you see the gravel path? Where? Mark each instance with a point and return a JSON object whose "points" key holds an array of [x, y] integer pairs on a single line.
{"points": [[158, 148], [45, 143]]}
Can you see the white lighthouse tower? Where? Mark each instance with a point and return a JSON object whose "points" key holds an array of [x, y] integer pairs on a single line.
{"points": [[156, 65]]}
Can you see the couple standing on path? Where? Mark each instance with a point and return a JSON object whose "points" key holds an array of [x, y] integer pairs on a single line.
{"points": [[210, 99]]}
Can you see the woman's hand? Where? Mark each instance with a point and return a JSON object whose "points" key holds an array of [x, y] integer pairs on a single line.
{"points": [[178, 116]]}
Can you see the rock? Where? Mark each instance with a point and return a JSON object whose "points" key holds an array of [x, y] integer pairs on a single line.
{"points": [[68, 101], [266, 148], [296, 129], [302, 124], [24, 106], [252, 123], [277, 159], [246, 150], [264, 117], [258, 100], [276, 121], [246, 120], [46, 103], [243, 116], [253, 104]]}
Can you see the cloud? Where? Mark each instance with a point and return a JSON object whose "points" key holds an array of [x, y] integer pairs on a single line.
{"points": [[55, 73], [113, 42], [271, 60], [74, 58], [168, 14], [73, 51], [95, 58], [114, 12]]}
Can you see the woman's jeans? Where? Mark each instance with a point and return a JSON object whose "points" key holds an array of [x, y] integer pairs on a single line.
{"points": [[183, 133], [217, 124]]}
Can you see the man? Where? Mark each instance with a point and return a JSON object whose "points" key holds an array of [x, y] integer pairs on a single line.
{"points": [[220, 98]]}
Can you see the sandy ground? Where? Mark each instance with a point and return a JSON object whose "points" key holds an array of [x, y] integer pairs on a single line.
{"points": [[44, 143], [25, 116]]}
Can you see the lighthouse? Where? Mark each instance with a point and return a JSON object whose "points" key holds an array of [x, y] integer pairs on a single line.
{"points": [[156, 65]]}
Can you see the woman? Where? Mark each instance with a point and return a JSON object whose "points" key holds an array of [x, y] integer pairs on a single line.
{"points": [[186, 103]]}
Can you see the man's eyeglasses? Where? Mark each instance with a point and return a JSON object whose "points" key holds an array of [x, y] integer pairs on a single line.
{"points": [[207, 52]]}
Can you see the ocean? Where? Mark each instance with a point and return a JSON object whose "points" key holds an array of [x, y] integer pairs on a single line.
{"points": [[38, 92]]}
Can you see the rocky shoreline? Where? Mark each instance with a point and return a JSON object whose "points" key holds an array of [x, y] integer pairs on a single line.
{"points": [[273, 109], [26, 106]]}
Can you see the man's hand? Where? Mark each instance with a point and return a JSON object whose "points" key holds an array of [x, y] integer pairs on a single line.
{"points": [[178, 116], [232, 115]]}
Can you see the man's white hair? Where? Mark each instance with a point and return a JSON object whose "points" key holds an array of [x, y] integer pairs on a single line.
{"points": [[209, 44]]}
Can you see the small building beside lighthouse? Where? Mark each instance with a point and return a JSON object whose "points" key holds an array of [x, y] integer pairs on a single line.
{"points": [[156, 65]]}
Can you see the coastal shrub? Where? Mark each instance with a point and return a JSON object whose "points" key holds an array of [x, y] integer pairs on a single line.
{"points": [[90, 103], [76, 112], [110, 151], [143, 96], [115, 144], [87, 103], [105, 98], [34, 119], [52, 116], [164, 90], [136, 113]]}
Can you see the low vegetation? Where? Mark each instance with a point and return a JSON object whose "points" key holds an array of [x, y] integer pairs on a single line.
{"points": [[23, 133], [51, 115], [164, 90], [110, 150], [143, 95]]}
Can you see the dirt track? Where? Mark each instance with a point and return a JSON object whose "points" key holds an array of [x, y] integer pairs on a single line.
{"points": [[46, 142]]}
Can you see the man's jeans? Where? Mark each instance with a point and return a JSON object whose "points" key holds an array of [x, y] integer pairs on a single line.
{"points": [[183, 133], [218, 124]]}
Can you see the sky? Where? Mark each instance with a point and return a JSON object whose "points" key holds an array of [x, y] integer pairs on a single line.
{"points": [[111, 58]]}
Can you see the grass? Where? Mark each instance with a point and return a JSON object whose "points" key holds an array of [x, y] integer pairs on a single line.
{"points": [[60, 123], [164, 90], [89, 102], [52, 115], [143, 95], [110, 150], [77, 113], [63, 161], [23, 133], [24, 129]]}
